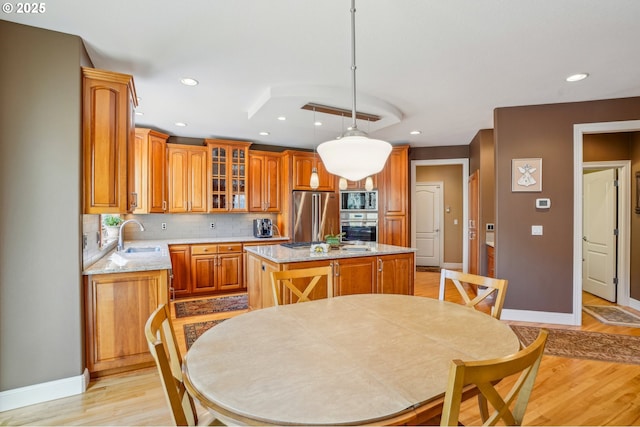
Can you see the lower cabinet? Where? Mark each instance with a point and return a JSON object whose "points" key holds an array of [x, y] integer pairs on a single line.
{"points": [[206, 269], [361, 275], [117, 307]]}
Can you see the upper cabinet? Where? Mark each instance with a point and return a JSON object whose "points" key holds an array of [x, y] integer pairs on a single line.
{"points": [[108, 108], [149, 171], [229, 175], [393, 196], [187, 178], [264, 181], [360, 185], [303, 164]]}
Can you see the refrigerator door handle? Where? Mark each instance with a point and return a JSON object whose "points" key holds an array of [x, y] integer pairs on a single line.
{"points": [[314, 216]]}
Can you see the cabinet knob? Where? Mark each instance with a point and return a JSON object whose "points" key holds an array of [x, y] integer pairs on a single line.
{"points": [[205, 250]]}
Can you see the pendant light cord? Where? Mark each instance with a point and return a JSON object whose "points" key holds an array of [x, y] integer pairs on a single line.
{"points": [[354, 126]]}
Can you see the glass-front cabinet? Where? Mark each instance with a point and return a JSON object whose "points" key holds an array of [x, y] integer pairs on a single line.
{"points": [[229, 175]]}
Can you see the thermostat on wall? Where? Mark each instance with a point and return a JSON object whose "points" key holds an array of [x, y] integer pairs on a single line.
{"points": [[543, 203]]}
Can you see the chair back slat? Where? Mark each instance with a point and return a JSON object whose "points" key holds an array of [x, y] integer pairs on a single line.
{"points": [[294, 286], [481, 289]]}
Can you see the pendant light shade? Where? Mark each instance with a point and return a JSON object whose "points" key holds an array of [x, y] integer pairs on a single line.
{"points": [[314, 180], [354, 156]]}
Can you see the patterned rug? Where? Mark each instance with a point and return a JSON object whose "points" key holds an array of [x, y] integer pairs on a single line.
{"points": [[613, 315], [585, 345], [428, 269], [211, 305], [193, 330]]}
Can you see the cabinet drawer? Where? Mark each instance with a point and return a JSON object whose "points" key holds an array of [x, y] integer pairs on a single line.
{"points": [[203, 249], [227, 248]]}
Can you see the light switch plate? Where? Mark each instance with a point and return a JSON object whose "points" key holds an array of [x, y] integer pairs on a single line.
{"points": [[490, 227], [536, 230]]}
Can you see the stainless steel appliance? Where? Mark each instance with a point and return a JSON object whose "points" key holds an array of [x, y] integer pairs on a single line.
{"points": [[358, 200], [262, 227], [359, 226], [315, 214]]}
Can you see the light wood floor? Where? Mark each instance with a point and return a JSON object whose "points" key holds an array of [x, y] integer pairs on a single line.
{"points": [[567, 391]]}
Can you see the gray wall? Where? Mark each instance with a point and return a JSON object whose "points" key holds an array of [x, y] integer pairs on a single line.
{"points": [[41, 335]]}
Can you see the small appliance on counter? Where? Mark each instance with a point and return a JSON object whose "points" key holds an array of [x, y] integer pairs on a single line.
{"points": [[262, 227]]}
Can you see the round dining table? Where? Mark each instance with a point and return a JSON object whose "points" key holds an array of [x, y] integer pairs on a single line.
{"points": [[348, 360]]}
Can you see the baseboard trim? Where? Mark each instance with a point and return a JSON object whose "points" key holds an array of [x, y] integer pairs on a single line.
{"points": [[44, 392], [452, 265], [634, 303], [537, 316]]}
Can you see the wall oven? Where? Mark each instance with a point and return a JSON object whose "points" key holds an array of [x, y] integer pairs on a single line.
{"points": [[359, 226], [359, 201]]}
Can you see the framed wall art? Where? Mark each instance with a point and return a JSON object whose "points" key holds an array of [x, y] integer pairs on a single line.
{"points": [[526, 175]]}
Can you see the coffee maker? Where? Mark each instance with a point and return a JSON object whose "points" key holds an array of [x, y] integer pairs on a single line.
{"points": [[262, 227]]}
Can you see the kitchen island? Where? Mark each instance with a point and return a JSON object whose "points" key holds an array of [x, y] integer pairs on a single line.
{"points": [[358, 269]]}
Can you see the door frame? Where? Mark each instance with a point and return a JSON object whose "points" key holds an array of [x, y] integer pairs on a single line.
{"points": [[464, 162], [624, 218], [414, 215]]}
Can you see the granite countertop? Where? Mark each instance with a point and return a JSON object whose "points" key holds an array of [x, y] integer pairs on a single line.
{"points": [[116, 262], [281, 254]]}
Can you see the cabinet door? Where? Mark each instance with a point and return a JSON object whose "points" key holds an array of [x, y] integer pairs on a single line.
{"points": [[106, 104], [117, 308], [272, 182], [257, 202], [355, 275], [395, 274], [303, 164], [238, 171], [218, 154], [157, 164], [178, 179], [229, 272], [138, 157], [254, 281], [393, 231], [181, 266], [395, 183], [198, 180], [203, 273]]}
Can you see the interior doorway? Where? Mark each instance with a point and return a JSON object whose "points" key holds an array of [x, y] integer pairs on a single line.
{"points": [[464, 171], [624, 238]]}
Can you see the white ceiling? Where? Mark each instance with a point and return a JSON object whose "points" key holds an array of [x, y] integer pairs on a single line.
{"points": [[439, 66]]}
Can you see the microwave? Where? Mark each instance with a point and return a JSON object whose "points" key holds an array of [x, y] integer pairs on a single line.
{"points": [[359, 200]]}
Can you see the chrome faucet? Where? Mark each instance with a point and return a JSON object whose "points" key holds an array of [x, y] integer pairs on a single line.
{"points": [[120, 246]]}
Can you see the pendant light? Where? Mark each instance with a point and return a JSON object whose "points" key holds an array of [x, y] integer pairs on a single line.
{"points": [[314, 179], [354, 156]]}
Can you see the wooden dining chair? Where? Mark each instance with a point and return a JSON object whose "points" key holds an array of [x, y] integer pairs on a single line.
{"points": [[294, 286], [162, 345], [482, 286], [484, 375]]}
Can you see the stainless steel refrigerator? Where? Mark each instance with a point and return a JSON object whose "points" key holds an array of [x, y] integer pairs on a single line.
{"points": [[315, 214]]}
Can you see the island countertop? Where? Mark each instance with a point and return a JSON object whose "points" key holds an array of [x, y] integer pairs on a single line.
{"points": [[282, 255]]}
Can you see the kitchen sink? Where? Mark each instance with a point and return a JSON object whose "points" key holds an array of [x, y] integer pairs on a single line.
{"points": [[145, 249]]}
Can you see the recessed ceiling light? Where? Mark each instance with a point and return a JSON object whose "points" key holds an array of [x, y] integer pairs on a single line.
{"points": [[139, 113], [188, 81], [577, 77], [415, 132], [317, 123], [282, 118], [181, 124], [264, 133]]}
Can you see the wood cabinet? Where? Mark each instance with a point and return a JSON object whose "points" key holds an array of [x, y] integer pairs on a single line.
{"points": [[108, 103], [265, 184], [358, 275], [393, 205], [149, 171], [229, 175], [302, 166], [117, 307], [359, 185], [491, 261], [187, 177], [206, 269], [180, 271]]}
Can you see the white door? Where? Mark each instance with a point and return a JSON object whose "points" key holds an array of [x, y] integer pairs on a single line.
{"points": [[428, 210], [599, 240]]}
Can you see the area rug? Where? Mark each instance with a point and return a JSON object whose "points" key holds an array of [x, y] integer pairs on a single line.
{"points": [[211, 305], [585, 345], [193, 330], [428, 269], [613, 315]]}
